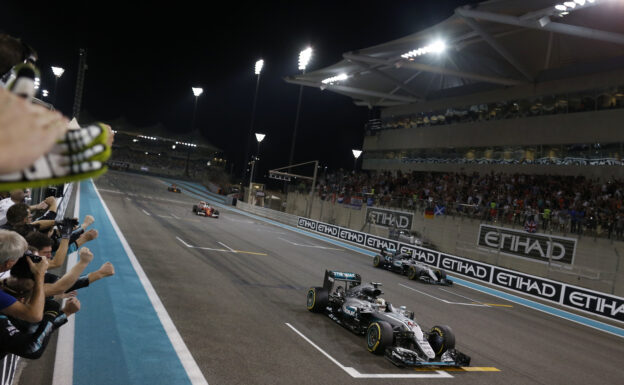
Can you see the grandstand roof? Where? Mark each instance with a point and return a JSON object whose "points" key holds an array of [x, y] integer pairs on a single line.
{"points": [[489, 45]]}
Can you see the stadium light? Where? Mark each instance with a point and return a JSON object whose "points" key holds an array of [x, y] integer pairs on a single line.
{"points": [[197, 91], [259, 137], [44, 93], [438, 46], [173, 146], [58, 72], [356, 155], [258, 67], [304, 58], [335, 79]]}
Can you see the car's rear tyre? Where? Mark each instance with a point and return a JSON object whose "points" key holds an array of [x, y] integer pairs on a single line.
{"points": [[441, 339], [377, 261], [317, 299], [414, 272], [379, 336]]}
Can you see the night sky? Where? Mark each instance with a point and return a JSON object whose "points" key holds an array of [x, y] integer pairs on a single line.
{"points": [[143, 61]]}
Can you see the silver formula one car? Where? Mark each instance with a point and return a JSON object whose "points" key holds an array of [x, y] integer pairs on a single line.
{"points": [[390, 331], [404, 263]]}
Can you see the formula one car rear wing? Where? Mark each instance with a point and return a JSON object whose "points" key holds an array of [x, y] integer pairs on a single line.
{"points": [[352, 279]]}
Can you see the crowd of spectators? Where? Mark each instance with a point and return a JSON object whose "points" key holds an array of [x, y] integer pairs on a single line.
{"points": [[38, 148], [564, 204], [512, 109]]}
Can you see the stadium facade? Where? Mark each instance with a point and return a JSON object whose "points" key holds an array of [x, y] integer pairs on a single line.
{"points": [[527, 86]]}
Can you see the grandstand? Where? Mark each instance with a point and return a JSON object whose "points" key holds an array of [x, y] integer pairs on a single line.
{"points": [[504, 85], [154, 150]]}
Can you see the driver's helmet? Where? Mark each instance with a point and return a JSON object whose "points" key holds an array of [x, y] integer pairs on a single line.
{"points": [[381, 304]]}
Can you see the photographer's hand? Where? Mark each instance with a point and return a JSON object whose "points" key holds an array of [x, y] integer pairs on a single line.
{"points": [[38, 269]]}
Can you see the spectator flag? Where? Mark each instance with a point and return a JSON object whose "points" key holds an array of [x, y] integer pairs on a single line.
{"points": [[530, 226], [439, 210], [429, 214]]}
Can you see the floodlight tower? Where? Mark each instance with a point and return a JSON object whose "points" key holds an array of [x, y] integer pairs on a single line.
{"points": [[259, 138], [58, 72], [196, 91], [304, 59], [356, 155], [258, 71]]}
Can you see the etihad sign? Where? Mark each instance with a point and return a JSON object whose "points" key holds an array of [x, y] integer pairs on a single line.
{"points": [[541, 247]]}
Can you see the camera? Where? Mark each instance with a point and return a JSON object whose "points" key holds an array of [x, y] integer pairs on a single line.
{"points": [[67, 222], [21, 269]]}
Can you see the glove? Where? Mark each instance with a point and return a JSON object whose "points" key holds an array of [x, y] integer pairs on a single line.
{"points": [[51, 308], [66, 228], [80, 154]]}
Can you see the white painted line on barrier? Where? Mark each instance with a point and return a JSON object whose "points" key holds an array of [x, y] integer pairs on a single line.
{"points": [[146, 213], [64, 360], [443, 300], [356, 374], [313, 246], [186, 358], [227, 247]]}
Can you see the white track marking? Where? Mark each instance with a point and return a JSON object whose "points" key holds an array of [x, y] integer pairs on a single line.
{"points": [[459, 295], [355, 374], [185, 244], [146, 213], [173, 215], [193, 372], [313, 246], [165, 216], [227, 247], [112, 191], [443, 300], [239, 220]]}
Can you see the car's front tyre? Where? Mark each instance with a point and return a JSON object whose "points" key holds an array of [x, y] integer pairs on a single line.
{"points": [[379, 336]]}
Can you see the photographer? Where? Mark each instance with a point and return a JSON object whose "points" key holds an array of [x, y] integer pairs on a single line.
{"points": [[12, 247], [43, 245], [15, 337]]}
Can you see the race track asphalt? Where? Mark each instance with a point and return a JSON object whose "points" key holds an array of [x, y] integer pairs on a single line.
{"points": [[243, 316]]}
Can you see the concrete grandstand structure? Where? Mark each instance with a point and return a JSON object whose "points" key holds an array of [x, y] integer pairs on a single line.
{"points": [[504, 85]]}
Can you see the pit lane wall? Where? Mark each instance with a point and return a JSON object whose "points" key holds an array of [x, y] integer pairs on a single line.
{"points": [[574, 297]]}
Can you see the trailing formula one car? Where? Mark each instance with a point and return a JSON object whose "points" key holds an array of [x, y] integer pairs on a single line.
{"points": [[404, 263], [174, 188], [389, 331], [206, 210]]}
